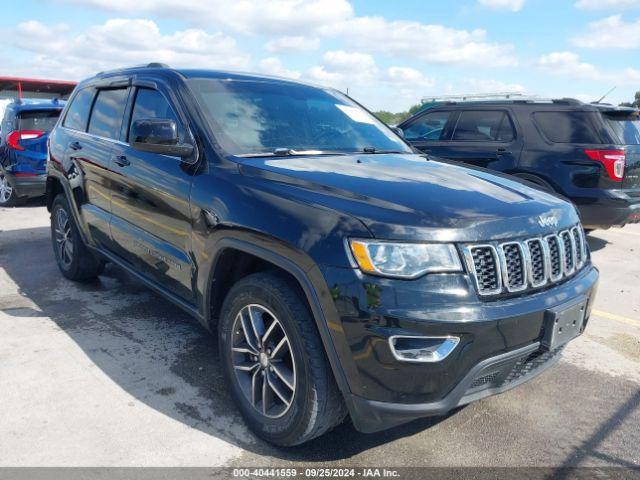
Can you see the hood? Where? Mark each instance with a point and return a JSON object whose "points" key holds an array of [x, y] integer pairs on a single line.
{"points": [[406, 197]]}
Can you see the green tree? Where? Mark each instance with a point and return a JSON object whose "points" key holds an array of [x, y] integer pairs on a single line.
{"points": [[635, 103]]}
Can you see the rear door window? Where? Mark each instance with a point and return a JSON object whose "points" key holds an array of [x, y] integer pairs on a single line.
{"points": [[484, 126], [78, 113], [107, 113], [38, 120], [429, 127], [567, 127]]}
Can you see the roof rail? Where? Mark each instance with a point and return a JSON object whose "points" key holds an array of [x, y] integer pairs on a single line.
{"points": [[148, 65], [476, 96], [567, 101]]}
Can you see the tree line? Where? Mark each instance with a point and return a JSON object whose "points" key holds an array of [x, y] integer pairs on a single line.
{"points": [[391, 118]]}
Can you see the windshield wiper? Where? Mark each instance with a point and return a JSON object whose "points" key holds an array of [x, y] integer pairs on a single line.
{"points": [[374, 150], [284, 152]]}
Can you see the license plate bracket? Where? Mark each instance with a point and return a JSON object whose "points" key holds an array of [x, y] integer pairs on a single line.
{"points": [[563, 323]]}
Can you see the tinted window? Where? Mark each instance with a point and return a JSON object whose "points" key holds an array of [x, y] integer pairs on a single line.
{"points": [[626, 128], [567, 127], [259, 117], [42, 120], [151, 104], [428, 127], [107, 113], [483, 126], [78, 112]]}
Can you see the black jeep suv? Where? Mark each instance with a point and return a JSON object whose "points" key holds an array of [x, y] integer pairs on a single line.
{"points": [[588, 153], [341, 271]]}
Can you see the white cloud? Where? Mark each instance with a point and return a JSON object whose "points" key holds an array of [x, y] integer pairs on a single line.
{"points": [[610, 32], [474, 85], [310, 18], [606, 4], [405, 77], [273, 66], [342, 69], [510, 5], [292, 44], [64, 52], [569, 64], [429, 43], [246, 16]]}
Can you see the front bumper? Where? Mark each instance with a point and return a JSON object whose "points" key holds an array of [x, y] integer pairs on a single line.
{"points": [[489, 377], [499, 341]]}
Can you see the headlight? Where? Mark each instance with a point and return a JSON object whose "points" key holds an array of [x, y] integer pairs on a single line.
{"points": [[404, 260]]}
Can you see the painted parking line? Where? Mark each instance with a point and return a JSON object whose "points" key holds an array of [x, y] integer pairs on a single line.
{"points": [[617, 318]]}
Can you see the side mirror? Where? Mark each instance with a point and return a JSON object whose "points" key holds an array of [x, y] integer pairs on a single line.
{"points": [[158, 135], [398, 131]]}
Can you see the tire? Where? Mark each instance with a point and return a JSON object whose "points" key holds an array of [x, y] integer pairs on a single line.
{"points": [[74, 259], [315, 402], [8, 193]]}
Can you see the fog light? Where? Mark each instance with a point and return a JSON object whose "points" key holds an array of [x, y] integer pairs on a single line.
{"points": [[422, 349]]}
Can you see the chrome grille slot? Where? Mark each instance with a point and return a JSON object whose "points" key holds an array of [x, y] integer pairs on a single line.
{"points": [[555, 257], [539, 268], [569, 252], [514, 267], [486, 269], [517, 266], [578, 239]]}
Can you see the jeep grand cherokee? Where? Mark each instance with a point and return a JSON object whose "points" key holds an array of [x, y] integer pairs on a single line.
{"points": [[342, 272]]}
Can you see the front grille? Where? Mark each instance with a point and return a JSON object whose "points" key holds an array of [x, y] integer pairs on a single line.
{"points": [[523, 265]]}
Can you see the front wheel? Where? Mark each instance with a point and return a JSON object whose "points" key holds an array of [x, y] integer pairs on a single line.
{"points": [[74, 259], [274, 361]]}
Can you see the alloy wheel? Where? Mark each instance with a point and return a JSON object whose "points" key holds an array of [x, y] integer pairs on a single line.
{"points": [[6, 190], [263, 361], [63, 237]]}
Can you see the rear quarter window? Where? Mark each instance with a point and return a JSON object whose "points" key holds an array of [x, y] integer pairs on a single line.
{"points": [[567, 127], [625, 128]]}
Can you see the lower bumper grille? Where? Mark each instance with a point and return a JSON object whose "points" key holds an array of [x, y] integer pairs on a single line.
{"points": [[504, 375]]}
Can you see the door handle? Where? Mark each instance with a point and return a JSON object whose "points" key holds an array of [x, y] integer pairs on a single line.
{"points": [[75, 146], [121, 161], [503, 151]]}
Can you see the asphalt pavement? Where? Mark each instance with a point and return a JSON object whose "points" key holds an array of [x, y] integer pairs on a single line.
{"points": [[110, 374]]}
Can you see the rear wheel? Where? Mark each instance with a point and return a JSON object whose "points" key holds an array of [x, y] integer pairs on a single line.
{"points": [[274, 361], [74, 259], [8, 192]]}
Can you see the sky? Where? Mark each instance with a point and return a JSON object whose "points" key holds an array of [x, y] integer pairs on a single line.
{"points": [[387, 54]]}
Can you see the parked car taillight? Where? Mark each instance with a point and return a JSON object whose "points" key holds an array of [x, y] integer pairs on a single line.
{"points": [[613, 161], [13, 139]]}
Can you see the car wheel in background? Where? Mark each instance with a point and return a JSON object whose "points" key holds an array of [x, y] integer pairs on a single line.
{"points": [[274, 362], [8, 194]]}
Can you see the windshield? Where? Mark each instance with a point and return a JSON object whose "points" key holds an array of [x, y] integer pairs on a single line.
{"points": [[260, 117], [42, 120], [627, 129]]}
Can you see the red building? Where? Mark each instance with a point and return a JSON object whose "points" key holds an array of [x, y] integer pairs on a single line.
{"points": [[16, 87]]}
